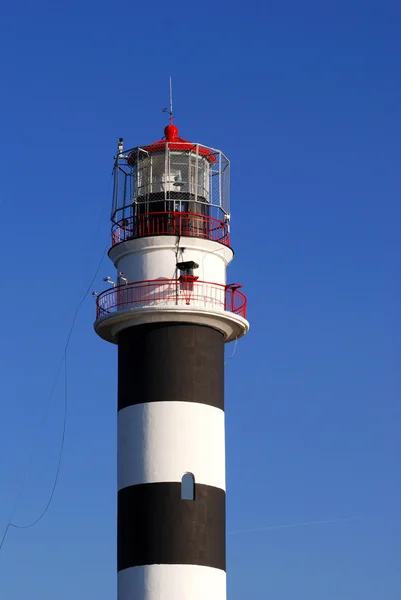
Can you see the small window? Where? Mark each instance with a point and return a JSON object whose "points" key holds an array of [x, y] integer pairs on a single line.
{"points": [[188, 487]]}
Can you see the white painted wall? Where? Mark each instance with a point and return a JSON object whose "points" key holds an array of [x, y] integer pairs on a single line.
{"points": [[160, 441], [171, 582], [156, 257]]}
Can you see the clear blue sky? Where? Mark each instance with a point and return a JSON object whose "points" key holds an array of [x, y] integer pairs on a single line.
{"points": [[305, 99]]}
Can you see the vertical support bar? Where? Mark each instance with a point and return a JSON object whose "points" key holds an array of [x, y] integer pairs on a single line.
{"points": [[196, 174], [220, 178], [150, 186], [136, 185], [115, 199], [166, 175]]}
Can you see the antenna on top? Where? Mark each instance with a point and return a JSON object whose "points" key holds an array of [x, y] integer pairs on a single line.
{"points": [[170, 110], [171, 100]]}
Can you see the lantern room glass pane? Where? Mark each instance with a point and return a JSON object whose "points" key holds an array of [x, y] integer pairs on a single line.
{"points": [[183, 172]]}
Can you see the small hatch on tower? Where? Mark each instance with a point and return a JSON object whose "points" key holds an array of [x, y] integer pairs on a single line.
{"points": [[188, 487]]}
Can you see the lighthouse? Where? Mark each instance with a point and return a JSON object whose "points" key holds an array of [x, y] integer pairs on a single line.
{"points": [[170, 310]]}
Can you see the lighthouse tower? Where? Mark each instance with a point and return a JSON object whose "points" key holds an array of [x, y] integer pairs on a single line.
{"points": [[170, 311]]}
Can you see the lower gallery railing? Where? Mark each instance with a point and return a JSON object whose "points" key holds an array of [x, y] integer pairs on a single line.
{"points": [[185, 291]]}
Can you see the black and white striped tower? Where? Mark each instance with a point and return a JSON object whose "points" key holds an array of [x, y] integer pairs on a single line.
{"points": [[170, 312]]}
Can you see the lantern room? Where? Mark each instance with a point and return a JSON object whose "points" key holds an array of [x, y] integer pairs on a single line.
{"points": [[171, 187]]}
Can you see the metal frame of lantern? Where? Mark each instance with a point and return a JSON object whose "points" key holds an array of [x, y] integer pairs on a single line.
{"points": [[176, 176]]}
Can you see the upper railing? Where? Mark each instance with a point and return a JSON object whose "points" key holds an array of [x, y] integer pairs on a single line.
{"points": [[170, 223], [185, 291]]}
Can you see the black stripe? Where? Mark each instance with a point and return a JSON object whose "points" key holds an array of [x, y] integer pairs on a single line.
{"points": [[161, 362], [156, 527]]}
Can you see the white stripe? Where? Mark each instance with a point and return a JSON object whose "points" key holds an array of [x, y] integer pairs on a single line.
{"points": [[160, 441], [172, 582], [154, 257]]}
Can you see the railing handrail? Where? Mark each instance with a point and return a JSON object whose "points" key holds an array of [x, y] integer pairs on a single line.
{"points": [[161, 280], [226, 288], [216, 225], [176, 213]]}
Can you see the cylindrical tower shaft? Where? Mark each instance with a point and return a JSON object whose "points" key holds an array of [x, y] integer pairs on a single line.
{"points": [[171, 463]]}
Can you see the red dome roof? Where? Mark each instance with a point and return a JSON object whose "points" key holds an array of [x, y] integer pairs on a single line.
{"points": [[175, 142]]}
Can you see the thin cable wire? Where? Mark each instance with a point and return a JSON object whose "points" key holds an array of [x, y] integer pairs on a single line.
{"points": [[63, 361], [46, 408], [293, 525], [232, 355], [42, 514], [103, 208]]}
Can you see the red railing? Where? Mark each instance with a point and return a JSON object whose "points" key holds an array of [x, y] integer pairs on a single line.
{"points": [[170, 223], [185, 291]]}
